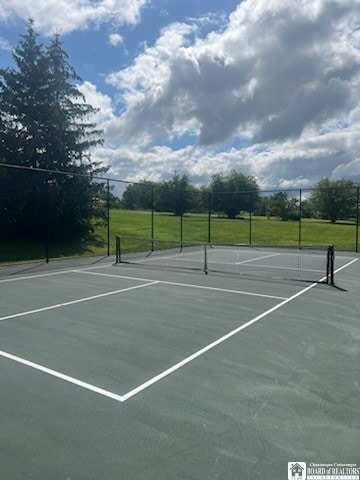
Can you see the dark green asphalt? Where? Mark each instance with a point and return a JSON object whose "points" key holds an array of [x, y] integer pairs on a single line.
{"points": [[285, 389]]}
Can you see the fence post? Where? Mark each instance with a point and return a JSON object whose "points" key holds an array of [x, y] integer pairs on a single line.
{"points": [[357, 219], [108, 215], [209, 217], [250, 223], [152, 218], [181, 216], [47, 217], [300, 215]]}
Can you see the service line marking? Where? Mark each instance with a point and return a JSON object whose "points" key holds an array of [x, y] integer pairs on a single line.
{"points": [[73, 302], [256, 259]]}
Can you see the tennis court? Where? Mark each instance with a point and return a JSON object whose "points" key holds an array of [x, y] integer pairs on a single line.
{"points": [[130, 371]]}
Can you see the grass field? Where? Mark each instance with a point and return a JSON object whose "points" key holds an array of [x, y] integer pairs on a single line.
{"points": [[223, 230], [195, 227]]}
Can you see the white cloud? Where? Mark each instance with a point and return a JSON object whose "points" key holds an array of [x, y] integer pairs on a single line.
{"points": [[99, 101], [145, 93], [5, 44], [115, 39], [350, 170], [285, 75], [298, 163], [276, 69], [63, 16]]}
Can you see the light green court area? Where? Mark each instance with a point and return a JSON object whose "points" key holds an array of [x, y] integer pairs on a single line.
{"points": [[126, 372]]}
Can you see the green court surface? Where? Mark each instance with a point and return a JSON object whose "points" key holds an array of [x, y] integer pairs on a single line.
{"points": [[125, 372]]}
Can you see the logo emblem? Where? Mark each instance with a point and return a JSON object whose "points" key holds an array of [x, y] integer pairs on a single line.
{"points": [[296, 471]]}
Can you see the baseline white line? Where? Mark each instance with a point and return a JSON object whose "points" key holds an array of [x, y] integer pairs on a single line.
{"points": [[49, 274], [62, 376], [38, 275], [73, 302], [189, 285]]}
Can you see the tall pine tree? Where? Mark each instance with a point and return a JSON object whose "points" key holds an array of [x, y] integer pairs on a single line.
{"points": [[45, 123]]}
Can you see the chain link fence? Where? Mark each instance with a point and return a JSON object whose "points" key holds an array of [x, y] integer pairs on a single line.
{"points": [[47, 214]]}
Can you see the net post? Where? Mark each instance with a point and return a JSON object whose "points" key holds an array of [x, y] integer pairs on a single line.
{"points": [[118, 250], [205, 260], [330, 265]]}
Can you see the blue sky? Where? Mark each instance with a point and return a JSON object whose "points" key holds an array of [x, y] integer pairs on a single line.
{"points": [[266, 87]]}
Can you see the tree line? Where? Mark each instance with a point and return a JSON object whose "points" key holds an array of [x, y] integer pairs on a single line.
{"points": [[235, 193]]}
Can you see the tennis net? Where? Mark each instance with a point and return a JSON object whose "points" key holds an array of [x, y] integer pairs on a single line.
{"points": [[307, 263]]}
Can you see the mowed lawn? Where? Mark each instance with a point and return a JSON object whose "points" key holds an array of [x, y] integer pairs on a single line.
{"points": [[261, 230], [193, 227]]}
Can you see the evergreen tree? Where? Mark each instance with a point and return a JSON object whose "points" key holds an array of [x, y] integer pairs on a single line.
{"points": [[45, 124]]}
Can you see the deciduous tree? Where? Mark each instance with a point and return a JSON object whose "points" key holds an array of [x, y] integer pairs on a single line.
{"points": [[334, 199]]}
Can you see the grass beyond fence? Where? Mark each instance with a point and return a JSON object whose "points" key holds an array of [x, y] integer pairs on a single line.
{"points": [[195, 227], [224, 230]]}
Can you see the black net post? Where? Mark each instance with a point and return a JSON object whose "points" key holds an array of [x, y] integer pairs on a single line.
{"points": [[330, 265], [205, 260], [118, 250]]}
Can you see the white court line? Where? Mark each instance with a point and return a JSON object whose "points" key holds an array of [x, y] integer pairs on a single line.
{"points": [[66, 378], [181, 255], [283, 267], [160, 376], [38, 275], [347, 265], [165, 373], [189, 285], [255, 259], [73, 302], [217, 342], [49, 274]]}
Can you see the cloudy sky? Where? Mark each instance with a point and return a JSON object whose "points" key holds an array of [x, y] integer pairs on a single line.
{"points": [[270, 88]]}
